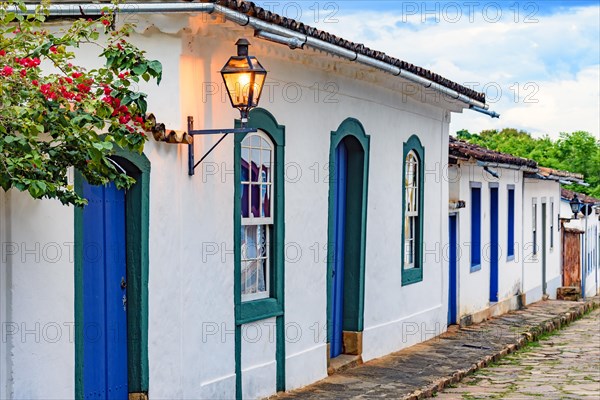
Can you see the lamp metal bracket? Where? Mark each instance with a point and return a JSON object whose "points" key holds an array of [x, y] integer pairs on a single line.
{"points": [[224, 132]]}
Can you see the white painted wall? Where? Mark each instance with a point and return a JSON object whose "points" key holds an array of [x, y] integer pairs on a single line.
{"points": [[38, 254], [548, 192], [258, 359], [398, 316], [191, 310], [5, 297], [474, 286]]}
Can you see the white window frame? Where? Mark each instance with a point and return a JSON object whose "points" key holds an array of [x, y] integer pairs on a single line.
{"points": [[266, 222], [411, 216]]}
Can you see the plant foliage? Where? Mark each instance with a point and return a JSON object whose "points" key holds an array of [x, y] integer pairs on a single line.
{"points": [[576, 152], [55, 114]]}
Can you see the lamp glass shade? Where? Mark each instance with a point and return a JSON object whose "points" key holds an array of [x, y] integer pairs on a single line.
{"points": [[244, 79], [575, 204]]}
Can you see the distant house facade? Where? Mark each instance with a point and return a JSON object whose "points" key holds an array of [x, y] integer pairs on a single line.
{"points": [[488, 267], [542, 274], [504, 232], [580, 234], [312, 237]]}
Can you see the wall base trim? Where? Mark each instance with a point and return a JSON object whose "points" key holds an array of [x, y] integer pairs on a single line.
{"points": [[352, 343], [512, 303]]}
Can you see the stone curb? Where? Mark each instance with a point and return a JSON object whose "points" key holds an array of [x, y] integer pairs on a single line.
{"points": [[532, 335]]}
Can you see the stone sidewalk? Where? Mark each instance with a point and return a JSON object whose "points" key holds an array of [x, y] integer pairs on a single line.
{"points": [[563, 365], [422, 370]]}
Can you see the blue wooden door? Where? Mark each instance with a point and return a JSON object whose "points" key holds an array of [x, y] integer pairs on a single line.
{"points": [[340, 176], [544, 284], [452, 276], [494, 250], [104, 294]]}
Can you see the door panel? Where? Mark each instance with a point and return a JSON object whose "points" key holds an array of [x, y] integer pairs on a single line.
{"points": [[494, 244], [340, 177], [104, 291], [452, 277], [544, 248]]}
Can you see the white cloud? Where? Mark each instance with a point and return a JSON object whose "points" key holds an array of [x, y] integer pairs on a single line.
{"points": [[559, 55]]}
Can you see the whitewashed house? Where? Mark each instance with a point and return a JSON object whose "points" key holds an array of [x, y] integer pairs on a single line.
{"points": [[505, 247], [221, 284], [486, 206], [584, 230], [542, 273]]}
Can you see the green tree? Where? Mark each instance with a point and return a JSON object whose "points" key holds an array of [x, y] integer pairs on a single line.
{"points": [[64, 115], [577, 152]]}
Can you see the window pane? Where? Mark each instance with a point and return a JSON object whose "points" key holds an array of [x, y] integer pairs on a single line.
{"points": [[261, 272], [265, 175], [245, 200], [261, 241], [255, 154], [255, 201], [255, 141], [255, 259], [245, 165], [243, 244], [265, 195], [249, 277]]}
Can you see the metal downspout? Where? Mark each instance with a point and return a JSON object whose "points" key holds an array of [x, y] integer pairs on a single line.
{"points": [[78, 9]]}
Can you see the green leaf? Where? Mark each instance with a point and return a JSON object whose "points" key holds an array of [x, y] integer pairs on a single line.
{"points": [[155, 66], [142, 105], [139, 69], [9, 17]]}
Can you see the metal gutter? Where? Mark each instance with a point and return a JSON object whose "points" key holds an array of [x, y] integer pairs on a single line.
{"points": [[268, 31], [492, 114], [523, 168], [291, 42], [95, 9]]}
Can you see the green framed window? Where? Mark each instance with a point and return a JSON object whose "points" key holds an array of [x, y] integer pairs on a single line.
{"points": [[258, 219], [257, 215], [412, 210], [258, 222]]}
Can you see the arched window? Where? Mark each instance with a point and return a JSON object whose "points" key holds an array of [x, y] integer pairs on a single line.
{"points": [[411, 210], [256, 215], [412, 221]]}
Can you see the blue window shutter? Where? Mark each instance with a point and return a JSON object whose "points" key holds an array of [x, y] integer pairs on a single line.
{"points": [[511, 223], [475, 228]]}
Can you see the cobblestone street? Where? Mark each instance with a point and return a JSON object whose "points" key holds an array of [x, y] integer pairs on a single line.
{"points": [[563, 365]]}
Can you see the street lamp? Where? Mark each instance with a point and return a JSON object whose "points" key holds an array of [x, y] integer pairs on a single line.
{"points": [[244, 79], [575, 205]]}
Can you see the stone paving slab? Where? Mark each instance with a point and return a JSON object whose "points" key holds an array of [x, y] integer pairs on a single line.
{"points": [[445, 360]]}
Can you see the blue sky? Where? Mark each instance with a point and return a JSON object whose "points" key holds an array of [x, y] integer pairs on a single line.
{"points": [[537, 61], [545, 6]]}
